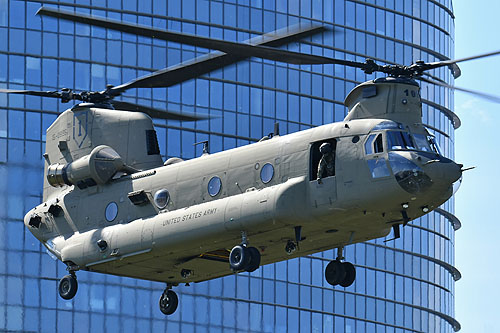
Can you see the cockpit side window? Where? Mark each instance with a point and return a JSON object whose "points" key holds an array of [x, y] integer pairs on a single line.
{"points": [[379, 144], [374, 144], [369, 144], [377, 163]]}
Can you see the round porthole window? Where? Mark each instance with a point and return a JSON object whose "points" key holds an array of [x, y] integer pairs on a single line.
{"points": [[214, 186], [267, 173], [161, 198], [111, 211]]}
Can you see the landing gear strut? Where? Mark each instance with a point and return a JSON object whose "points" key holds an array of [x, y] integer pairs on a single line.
{"points": [[168, 301], [68, 286], [243, 258], [340, 273]]}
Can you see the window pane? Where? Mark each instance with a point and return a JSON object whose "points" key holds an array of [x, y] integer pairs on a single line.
{"points": [[378, 168]]}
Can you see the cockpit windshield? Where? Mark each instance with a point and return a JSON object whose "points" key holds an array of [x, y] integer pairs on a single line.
{"points": [[397, 140], [434, 145], [422, 142], [401, 140]]}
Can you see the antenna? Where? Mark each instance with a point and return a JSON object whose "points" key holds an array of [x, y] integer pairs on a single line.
{"points": [[205, 147]]}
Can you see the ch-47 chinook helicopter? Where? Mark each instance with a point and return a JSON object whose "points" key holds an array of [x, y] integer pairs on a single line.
{"points": [[111, 205]]}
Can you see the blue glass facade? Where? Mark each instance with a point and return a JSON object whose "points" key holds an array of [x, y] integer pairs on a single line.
{"points": [[404, 285]]}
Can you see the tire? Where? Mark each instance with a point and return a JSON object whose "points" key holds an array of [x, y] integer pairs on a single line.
{"points": [[168, 302], [254, 259], [350, 274], [68, 286], [335, 273], [239, 258]]}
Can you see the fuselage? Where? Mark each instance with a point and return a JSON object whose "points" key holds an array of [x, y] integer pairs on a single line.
{"points": [[155, 223]]}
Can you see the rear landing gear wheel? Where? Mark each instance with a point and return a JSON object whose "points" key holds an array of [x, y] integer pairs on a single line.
{"points": [[254, 259], [168, 302], [68, 286], [244, 258], [239, 258]]}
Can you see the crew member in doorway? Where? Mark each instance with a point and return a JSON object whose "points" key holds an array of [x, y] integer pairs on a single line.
{"points": [[327, 162]]}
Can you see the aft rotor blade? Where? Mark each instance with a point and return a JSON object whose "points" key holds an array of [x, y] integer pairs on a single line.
{"points": [[491, 98], [235, 48], [295, 31], [179, 73], [55, 94], [193, 68], [156, 113], [185, 71]]}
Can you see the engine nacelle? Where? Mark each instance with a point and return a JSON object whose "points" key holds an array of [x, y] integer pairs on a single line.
{"points": [[98, 167]]}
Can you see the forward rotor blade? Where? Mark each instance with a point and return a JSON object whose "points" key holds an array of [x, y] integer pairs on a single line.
{"points": [[453, 62], [491, 98], [479, 56], [435, 78], [156, 113]]}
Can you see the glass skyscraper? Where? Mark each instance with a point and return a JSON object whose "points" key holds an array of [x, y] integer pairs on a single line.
{"points": [[403, 285]]}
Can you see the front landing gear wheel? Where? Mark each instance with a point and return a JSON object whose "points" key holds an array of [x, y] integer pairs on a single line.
{"points": [[335, 272], [168, 302], [68, 286], [340, 273], [350, 274]]}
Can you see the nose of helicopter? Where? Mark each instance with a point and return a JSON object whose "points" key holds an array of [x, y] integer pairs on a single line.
{"points": [[452, 172], [419, 173], [444, 173]]}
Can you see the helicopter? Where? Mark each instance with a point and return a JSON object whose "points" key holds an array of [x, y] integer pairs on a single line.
{"points": [[112, 205]]}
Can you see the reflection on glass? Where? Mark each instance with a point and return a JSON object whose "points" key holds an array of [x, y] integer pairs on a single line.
{"points": [[369, 144], [422, 142], [111, 211], [161, 198], [378, 168], [399, 140], [214, 186], [267, 173], [409, 175]]}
